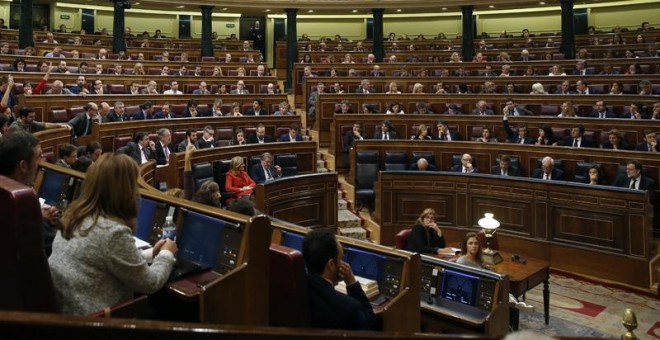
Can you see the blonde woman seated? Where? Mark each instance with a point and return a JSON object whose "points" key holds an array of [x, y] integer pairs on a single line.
{"points": [[237, 179], [538, 88], [393, 88], [567, 111], [418, 88], [422, 133], [455, 58], [94, 263], [138, 69], [426, 236], [470, 251], [557, 71], [240, 72], [395, 109]]}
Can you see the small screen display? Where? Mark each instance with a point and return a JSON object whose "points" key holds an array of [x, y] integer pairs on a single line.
{"points": [[201, 238], [460, 287], [365, 264], [53, 186], [292, 240]]}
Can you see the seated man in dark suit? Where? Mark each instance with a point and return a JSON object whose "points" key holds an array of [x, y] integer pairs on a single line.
{"points": [[466, 166], [191, 138], [422, 165], [601, 111], [634, 179], [548, 171], [444, 133], [350, 137], [264, 171], [164, 146], [511, 109], [386, 131], [482, 109], [146, 111], [581, 69], [583, 88], [519, 137], [505, 168], [165, 113], [577, 139], [293, 135], [257, 108], [260, 136], [141, 149], [650, 142], [20, 152], [208, 138], [325, 267], [118, 114]]}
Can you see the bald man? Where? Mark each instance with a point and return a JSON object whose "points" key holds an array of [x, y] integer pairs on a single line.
{"points": [[58, 88], [82, 123]]}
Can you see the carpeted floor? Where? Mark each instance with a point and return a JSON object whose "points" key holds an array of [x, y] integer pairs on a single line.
{"points": [[583, 308]]}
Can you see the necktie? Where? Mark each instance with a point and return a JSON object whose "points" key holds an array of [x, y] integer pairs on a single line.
{"points": [[632, 184], [268, 175], [575, 142], [649, 146], [522, 140], [443, 136], [167, 152], [601, 115], [504, 173], [465, 170], [261, 140]]}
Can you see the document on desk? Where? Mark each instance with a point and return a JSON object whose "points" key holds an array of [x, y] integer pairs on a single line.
{"points": [[370, 287]]}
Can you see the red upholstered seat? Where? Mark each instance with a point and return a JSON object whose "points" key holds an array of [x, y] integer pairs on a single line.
{"points": [[401, 238], [26, 284], [289, 304]]}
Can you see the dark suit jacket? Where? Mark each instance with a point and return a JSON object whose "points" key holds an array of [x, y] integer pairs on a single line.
{"points": [[287, 138], [646, 183], [608, 114], [141, 116], [253, 139], [160, 153], [161, 115], [113, 117], [622, 146], [204, 144], [459, 168], [513, 171], [512, 136], [184, 144], [643, 146], [454, 136], [349, 138], [332, 309], [567, 92], [414, 167], [250, 112], [587, 71], [557, 175], [133, 150], [489, 112], [79, 124], [585, 143], [422, 241], [378, 135], [259, 176], [359, 90]]}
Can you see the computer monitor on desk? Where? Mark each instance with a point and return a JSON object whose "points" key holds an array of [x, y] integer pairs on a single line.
{"points": [[385, 270], [58, 189], [209, 240], [151, 214], [464, 290]]}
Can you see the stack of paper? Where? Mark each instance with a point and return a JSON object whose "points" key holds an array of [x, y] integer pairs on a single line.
{"points": [[370, 287]]}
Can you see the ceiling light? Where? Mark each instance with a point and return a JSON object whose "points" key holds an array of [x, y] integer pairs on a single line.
{"points": [[444, 8], [398, 10], [542, 3], [180, 6], [354, 11], [268, 10], [224, 8], [310, 11], [491, 6]]}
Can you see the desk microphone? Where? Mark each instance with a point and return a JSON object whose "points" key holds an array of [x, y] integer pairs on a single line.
{"points": [[518, 258]]}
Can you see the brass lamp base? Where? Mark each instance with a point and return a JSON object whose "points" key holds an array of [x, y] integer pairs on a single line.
{"points": [[491, 257]]}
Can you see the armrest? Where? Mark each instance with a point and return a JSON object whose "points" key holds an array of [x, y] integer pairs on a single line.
{"points": [[132, 309]]}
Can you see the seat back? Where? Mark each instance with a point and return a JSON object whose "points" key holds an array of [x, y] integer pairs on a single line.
{"points": [[401, 238], [202, 172], [220, 169], [288, 163], [289, 304], [26, 284], [367, 166], [428, 155], [396, 160]]}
